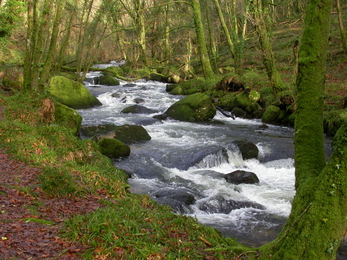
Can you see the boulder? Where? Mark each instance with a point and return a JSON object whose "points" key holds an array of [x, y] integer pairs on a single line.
{"points": [[248, 149], [67, 117], [178, 199], [193, 108], [113, 148], [131, 134], [71, 93], [271, 114], [240, 177], [126, 133], [137, 109], [246, 99]]}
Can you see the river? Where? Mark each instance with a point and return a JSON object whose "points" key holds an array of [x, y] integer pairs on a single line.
{"points": [[191, 159]]}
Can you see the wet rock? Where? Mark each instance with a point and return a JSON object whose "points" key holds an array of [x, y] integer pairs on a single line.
{"points": [[115, 95], [248, 149], [137, 109], [241, 177], [219, 204], [139, 100], [129, 85], [178, 199]]}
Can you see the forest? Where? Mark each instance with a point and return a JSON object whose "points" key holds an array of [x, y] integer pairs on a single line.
{"points": [[292, 52]]}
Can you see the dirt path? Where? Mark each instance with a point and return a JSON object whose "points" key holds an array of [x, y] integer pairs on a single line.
{"points": [[23, 206]]}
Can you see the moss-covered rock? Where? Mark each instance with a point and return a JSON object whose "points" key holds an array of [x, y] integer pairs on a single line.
{"points": [[109, 80], [71, 93], [246, 98], [193, 108], [114, 71], [271, 113], [178, 90], [67, 117], [113, 148]]}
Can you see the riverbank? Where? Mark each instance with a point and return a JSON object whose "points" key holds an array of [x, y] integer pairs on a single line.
{"points": [[61, 199]]}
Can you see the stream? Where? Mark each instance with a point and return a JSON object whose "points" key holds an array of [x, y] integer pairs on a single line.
{"points": [[183, 165]]}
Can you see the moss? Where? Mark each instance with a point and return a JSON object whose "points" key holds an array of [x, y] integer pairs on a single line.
{"points": [[71, 93], [114, 71], [113, 148], [67, 117], [333, 120], [131, 134], [271, 114]]}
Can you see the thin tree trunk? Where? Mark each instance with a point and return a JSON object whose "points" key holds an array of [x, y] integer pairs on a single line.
{"points": [[266, 48], [167, 48], [225, 28], [205, 60], [66, 38], [52, 51]]}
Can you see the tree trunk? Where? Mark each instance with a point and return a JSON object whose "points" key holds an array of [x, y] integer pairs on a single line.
{"points": [[199, 29], [318, 219]]}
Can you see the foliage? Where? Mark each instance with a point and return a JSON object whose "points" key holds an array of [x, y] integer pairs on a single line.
{"points": [[10, 15]]}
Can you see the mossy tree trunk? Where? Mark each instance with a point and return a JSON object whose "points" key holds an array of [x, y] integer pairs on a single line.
{"points": [[201, 40], [318, 220], [39, 19]]}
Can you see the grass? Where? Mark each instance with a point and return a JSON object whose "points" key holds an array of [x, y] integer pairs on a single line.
{"points": [[127, 226]]}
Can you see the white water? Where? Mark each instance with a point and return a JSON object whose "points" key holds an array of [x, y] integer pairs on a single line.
{"points": [[160, 164]]}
